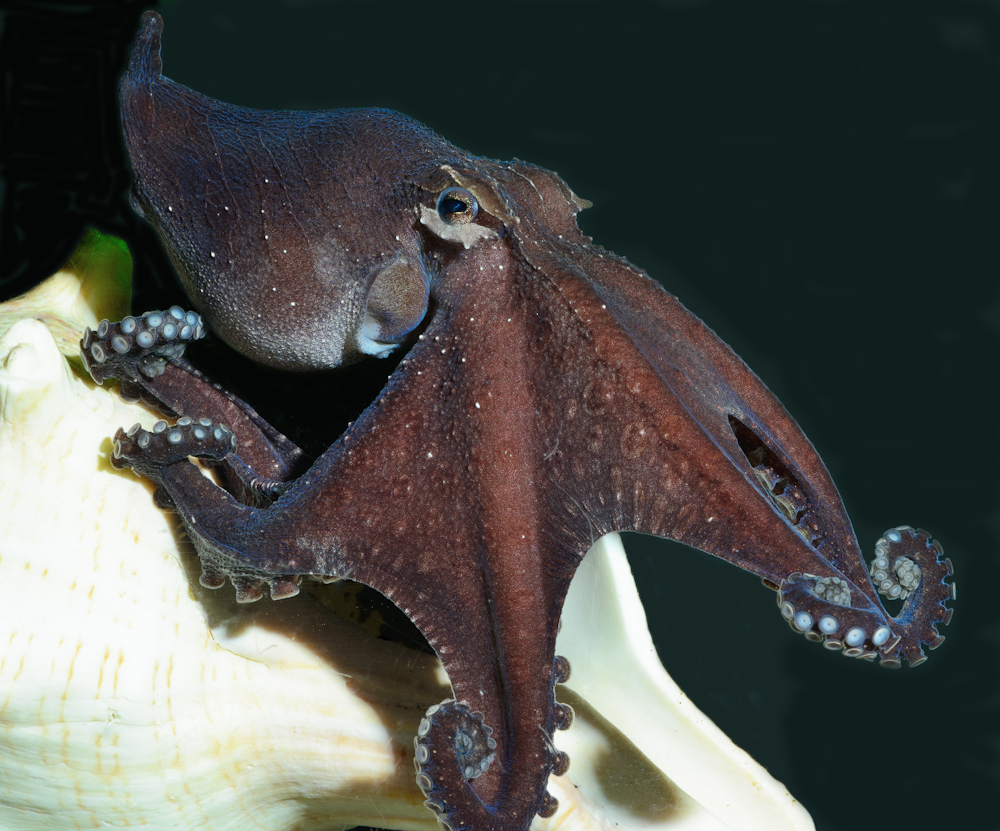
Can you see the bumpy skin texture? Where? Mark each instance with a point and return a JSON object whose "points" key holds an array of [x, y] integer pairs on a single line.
{"points": [[555, 393]]}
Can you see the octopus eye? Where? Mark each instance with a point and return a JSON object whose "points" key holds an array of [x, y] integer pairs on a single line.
{"points": [[456, 206]]}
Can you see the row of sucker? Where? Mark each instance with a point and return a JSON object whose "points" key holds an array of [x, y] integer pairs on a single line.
{"points": [[833, 632], [148, 451], [563, 719], [154, 338], [183, 432], [820, 607], [778, 482], [894, 579]]}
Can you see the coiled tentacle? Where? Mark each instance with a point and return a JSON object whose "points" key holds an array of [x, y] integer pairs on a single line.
{"points": [[909, 565], [150, 452], [453, 747]]}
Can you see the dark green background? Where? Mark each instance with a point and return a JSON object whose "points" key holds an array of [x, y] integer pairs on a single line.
{"points": [[818, 181]]}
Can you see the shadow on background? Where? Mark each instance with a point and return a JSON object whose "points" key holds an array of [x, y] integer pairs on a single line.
{"points": [[819, 182]]}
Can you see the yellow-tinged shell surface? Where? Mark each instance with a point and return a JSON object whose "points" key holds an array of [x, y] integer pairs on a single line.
{"points": [[132, 697]]}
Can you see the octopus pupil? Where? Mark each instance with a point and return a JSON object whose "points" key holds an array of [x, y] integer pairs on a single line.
{"points": [[453, 206]]}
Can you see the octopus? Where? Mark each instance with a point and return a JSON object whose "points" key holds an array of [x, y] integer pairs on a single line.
{"points": [[549, 393]]}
